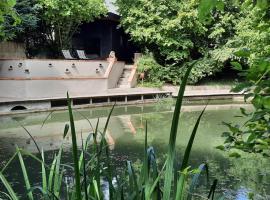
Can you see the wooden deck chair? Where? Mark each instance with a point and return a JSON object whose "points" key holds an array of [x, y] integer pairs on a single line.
{"points": [[67, 55], [81, 54]]}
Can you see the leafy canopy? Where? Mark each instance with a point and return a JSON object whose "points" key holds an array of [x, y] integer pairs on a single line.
{"points": [[173, 32], [65, 16]]}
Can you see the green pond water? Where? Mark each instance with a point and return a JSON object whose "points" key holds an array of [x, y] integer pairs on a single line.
{"points": [[236, 177]]}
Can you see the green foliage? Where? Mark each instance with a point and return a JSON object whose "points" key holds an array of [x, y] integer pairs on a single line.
{"points": [[153, 72], [7, 11], [173, 32], [27, 11], [253, 135], [253, 31], [65, 16], [251, 47], [209, 31]]}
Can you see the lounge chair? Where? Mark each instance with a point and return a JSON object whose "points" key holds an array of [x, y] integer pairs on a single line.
{"points": [[67, 55], [81, 54]]}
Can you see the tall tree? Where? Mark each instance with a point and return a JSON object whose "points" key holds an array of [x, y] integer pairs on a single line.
{"points": [[65, 16]]}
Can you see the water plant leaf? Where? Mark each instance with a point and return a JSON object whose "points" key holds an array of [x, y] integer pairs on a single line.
{"points": [[51, 174], [191, 140], [46, 119], [212, 190], [66, 129], [25, 175], [74, 152], [184, 166], [96, 189], [31, 138], [43, 170], [174, 127], [132, 178], [84, 168], [11, 192]]}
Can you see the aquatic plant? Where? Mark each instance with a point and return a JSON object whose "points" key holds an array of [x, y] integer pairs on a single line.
{"points": [[92, 168]]}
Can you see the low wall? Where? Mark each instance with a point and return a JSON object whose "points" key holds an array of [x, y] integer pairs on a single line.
{"points": [[39, 79], [12, 50], [44, 69]]}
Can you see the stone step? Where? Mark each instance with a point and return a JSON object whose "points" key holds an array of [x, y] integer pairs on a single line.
{"points": [[123, 81], [124, 86], [128, 67], [125, 75]]}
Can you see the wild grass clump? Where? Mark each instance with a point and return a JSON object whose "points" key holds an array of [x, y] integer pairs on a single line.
{"points": [[92, 169]]}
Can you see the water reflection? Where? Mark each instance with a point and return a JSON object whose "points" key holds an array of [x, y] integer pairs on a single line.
{"points": [[125, 135]]}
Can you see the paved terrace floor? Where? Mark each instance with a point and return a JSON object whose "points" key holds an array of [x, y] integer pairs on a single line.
{"points": [[191, 91]]}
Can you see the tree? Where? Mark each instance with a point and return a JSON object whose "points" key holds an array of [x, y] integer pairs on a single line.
{"points": [[6, 10], [171, 29], [29, 28], [251, 48], [65, 16]]}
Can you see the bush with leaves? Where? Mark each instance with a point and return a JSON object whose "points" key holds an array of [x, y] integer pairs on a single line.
{"points": [[7, 11], [254, 135], [251, 50], [151, 70], [173, 32]]}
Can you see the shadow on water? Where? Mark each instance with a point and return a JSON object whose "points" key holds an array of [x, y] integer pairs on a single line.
{"points": [[237, 177]]}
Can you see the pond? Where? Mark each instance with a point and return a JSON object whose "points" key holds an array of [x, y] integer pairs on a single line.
{"points": [[236, 177]]}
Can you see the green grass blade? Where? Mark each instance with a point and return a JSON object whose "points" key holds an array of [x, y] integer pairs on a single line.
{"points": [[84, 169], [173, 134], [155, 194], [44, 174], [74, 151], [66, 129], [157, 179], [31, 138], [51, 174], [182, 179], [133, 179], [96, 189], [190, 142], [57, 174], [145, 171], [25, 175], [11, 192], [181, 184], [108, 119], [46, 118], [91, 126], [6, 195]]}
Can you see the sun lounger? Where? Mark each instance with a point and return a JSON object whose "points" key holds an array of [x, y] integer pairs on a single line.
{"points": [[81, 54], [67, 55]]}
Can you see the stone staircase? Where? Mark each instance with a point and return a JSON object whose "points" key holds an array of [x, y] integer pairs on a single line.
{"points": [[123, 81]]}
